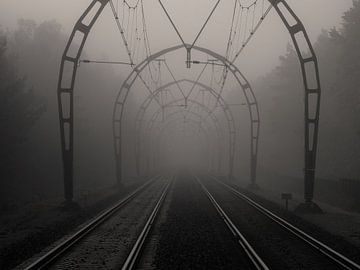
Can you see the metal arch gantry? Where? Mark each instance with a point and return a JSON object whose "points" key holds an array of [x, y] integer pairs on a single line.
{"points": [[65, 90], [240, 79], [66, 85], [311, 80], [227, 112], [202, 120]]}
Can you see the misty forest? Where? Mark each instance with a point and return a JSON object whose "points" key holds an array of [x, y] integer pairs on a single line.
{"points": [[178, 173]]}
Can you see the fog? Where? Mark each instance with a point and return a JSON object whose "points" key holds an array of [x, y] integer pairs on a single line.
{"points": [[268, 44], [183, 144]]}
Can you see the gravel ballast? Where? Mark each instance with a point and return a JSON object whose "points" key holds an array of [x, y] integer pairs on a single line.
{"points": [[193, 236], [277, 247]]}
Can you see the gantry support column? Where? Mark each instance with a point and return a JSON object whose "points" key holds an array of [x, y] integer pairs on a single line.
{"points": [[227, 112], [311, 80], [241, 80], [65, 91]]}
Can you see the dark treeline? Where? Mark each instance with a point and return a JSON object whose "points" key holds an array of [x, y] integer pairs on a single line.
{"points": [[20, 108], [31, 166], [281, 100]]}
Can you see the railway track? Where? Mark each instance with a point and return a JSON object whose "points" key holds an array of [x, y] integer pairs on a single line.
{"points": [[189, 234], [285, 236], [101, 242], [137, 250], [122, 236], [257, 262]]}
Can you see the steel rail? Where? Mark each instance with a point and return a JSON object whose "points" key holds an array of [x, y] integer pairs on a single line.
{"points": [[249, 250], [135, 253], [44, 261], [332, 254]]}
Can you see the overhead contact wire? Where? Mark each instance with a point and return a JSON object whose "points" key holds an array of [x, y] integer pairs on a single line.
{"points": [[127, 45]]}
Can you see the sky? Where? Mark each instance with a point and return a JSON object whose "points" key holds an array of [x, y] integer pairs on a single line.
{"points": [[258, 58]]}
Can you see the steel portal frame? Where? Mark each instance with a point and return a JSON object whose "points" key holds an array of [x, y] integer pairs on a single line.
{"points": [[240, 79], [147, 102], [201, 120], [215, 121], [66, 85]]}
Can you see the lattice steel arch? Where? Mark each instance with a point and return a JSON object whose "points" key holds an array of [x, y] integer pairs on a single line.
{"points": [[217, 129], [227, 112], [215, 121], [240, 78], [310, 71], [309, 68]]}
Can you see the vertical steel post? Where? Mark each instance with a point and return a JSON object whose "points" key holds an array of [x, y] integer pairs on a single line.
{"points": [[312, 87], [65, 89]]}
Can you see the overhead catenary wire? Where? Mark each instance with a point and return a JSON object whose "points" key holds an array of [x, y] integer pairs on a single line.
{"points": [[206, 22], [175, 80], [197, 80], [121, 30], [126, 44], [231, 30], [187, 47], [147, 44], [256, 27], [241, 26], [87, 61], [243, 32]]}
